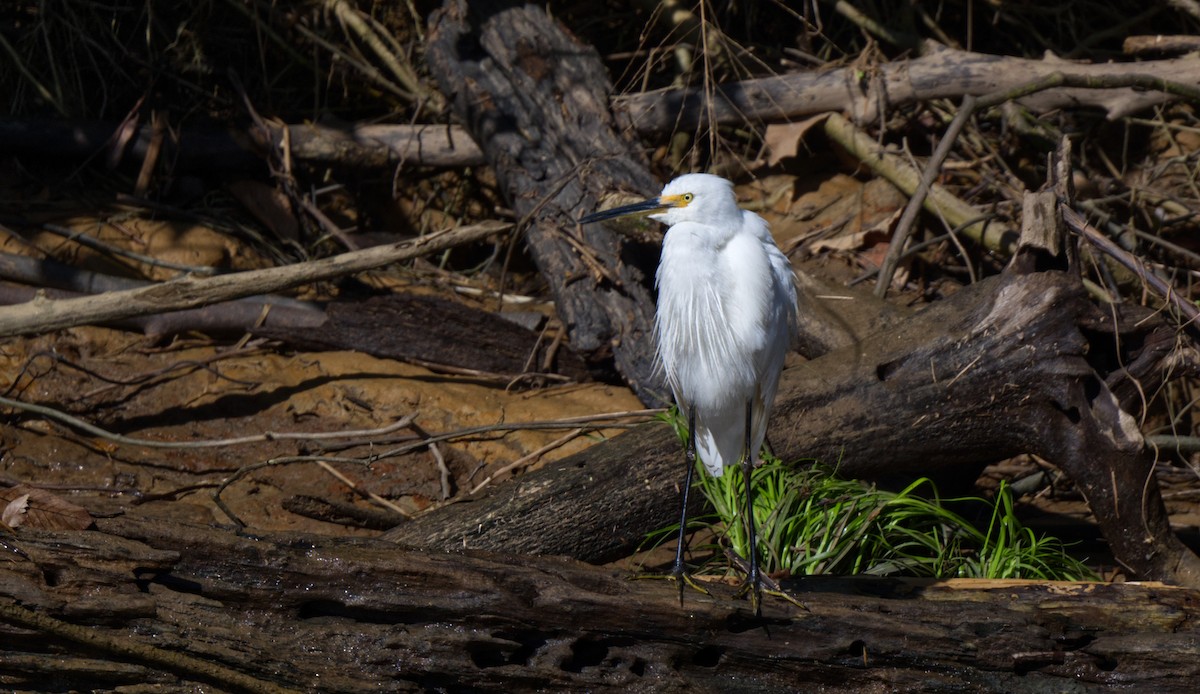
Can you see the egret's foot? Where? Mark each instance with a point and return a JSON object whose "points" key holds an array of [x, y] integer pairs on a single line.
{"points": [[757, 588], [681, 576], [754, 587]]}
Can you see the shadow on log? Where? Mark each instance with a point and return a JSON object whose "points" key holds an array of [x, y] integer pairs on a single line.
{"points": [[301, 613]]}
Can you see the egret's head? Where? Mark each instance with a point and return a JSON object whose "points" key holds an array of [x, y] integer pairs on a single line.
{"points": [[697, 198], [691, 197]]}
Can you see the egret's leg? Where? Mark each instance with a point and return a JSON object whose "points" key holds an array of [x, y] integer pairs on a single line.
{"points": [[754, 579], [679, 571]]}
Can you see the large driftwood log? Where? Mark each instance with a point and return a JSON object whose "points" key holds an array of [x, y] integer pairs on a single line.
{"points": [[1019, 363], [535, 99], [147, 602]]}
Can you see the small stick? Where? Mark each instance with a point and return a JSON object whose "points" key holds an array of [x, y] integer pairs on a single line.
{"points": [[443, 471], [94, 430], [932, 169], [1155, 283], [525, 459], [368, 494]]}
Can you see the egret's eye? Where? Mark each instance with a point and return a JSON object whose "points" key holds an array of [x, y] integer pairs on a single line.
{"points": [[686, 198]]}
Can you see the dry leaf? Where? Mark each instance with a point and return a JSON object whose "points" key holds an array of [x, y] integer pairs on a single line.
{"points": [[45, 511], [782, 140], [14, 512], [872, 240]]}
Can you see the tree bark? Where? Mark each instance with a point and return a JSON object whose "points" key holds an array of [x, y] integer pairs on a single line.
{"points": [[535, 99], [304, 613]]}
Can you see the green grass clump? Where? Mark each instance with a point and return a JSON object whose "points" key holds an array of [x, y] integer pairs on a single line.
{"points": [[811, 522]]}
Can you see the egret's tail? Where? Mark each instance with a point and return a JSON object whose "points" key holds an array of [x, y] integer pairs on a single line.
{"points": [[719, 440]]}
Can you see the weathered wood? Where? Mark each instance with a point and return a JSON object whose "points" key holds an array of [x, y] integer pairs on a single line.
{"points": [[189, 292], [210, 150], [426, 330], [321, 614], [941, 73], [596, 506], [535, 99], [55, 280], [376, 146]]}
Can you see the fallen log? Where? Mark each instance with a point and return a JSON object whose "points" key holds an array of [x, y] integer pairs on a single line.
{"points": [[125, 606], [942, 73], [434, 332]]}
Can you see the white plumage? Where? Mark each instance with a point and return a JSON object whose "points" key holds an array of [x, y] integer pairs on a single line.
{"points": [[726, 315], [725, 321]]}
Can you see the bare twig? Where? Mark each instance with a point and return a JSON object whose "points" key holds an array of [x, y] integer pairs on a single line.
{"points": [[95, 244], [377, 39], [76, 423], [443, 471], [1133, 264], [609, 420], [988, 233], [275, 462], [526, 459], [364, 492], [932, 168]]}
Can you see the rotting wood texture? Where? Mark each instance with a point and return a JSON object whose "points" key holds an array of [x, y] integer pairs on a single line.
{"points": [[333, 615], [535, 99]]}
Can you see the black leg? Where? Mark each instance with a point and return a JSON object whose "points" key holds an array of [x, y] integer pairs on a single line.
{"points": [[754, 580], [679, 571]]}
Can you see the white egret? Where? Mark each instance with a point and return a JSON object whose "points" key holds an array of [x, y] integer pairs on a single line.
{"points": [[725, 321]]}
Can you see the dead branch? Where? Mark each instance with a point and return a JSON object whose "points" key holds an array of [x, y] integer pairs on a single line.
{"points": [[1118, 89], [207, 149], [433, 332], [941, 73], [971, 223], [42, 315], [374, 146]]}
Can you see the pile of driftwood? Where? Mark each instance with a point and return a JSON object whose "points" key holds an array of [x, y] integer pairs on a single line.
{"points": [[1020, 363]]}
